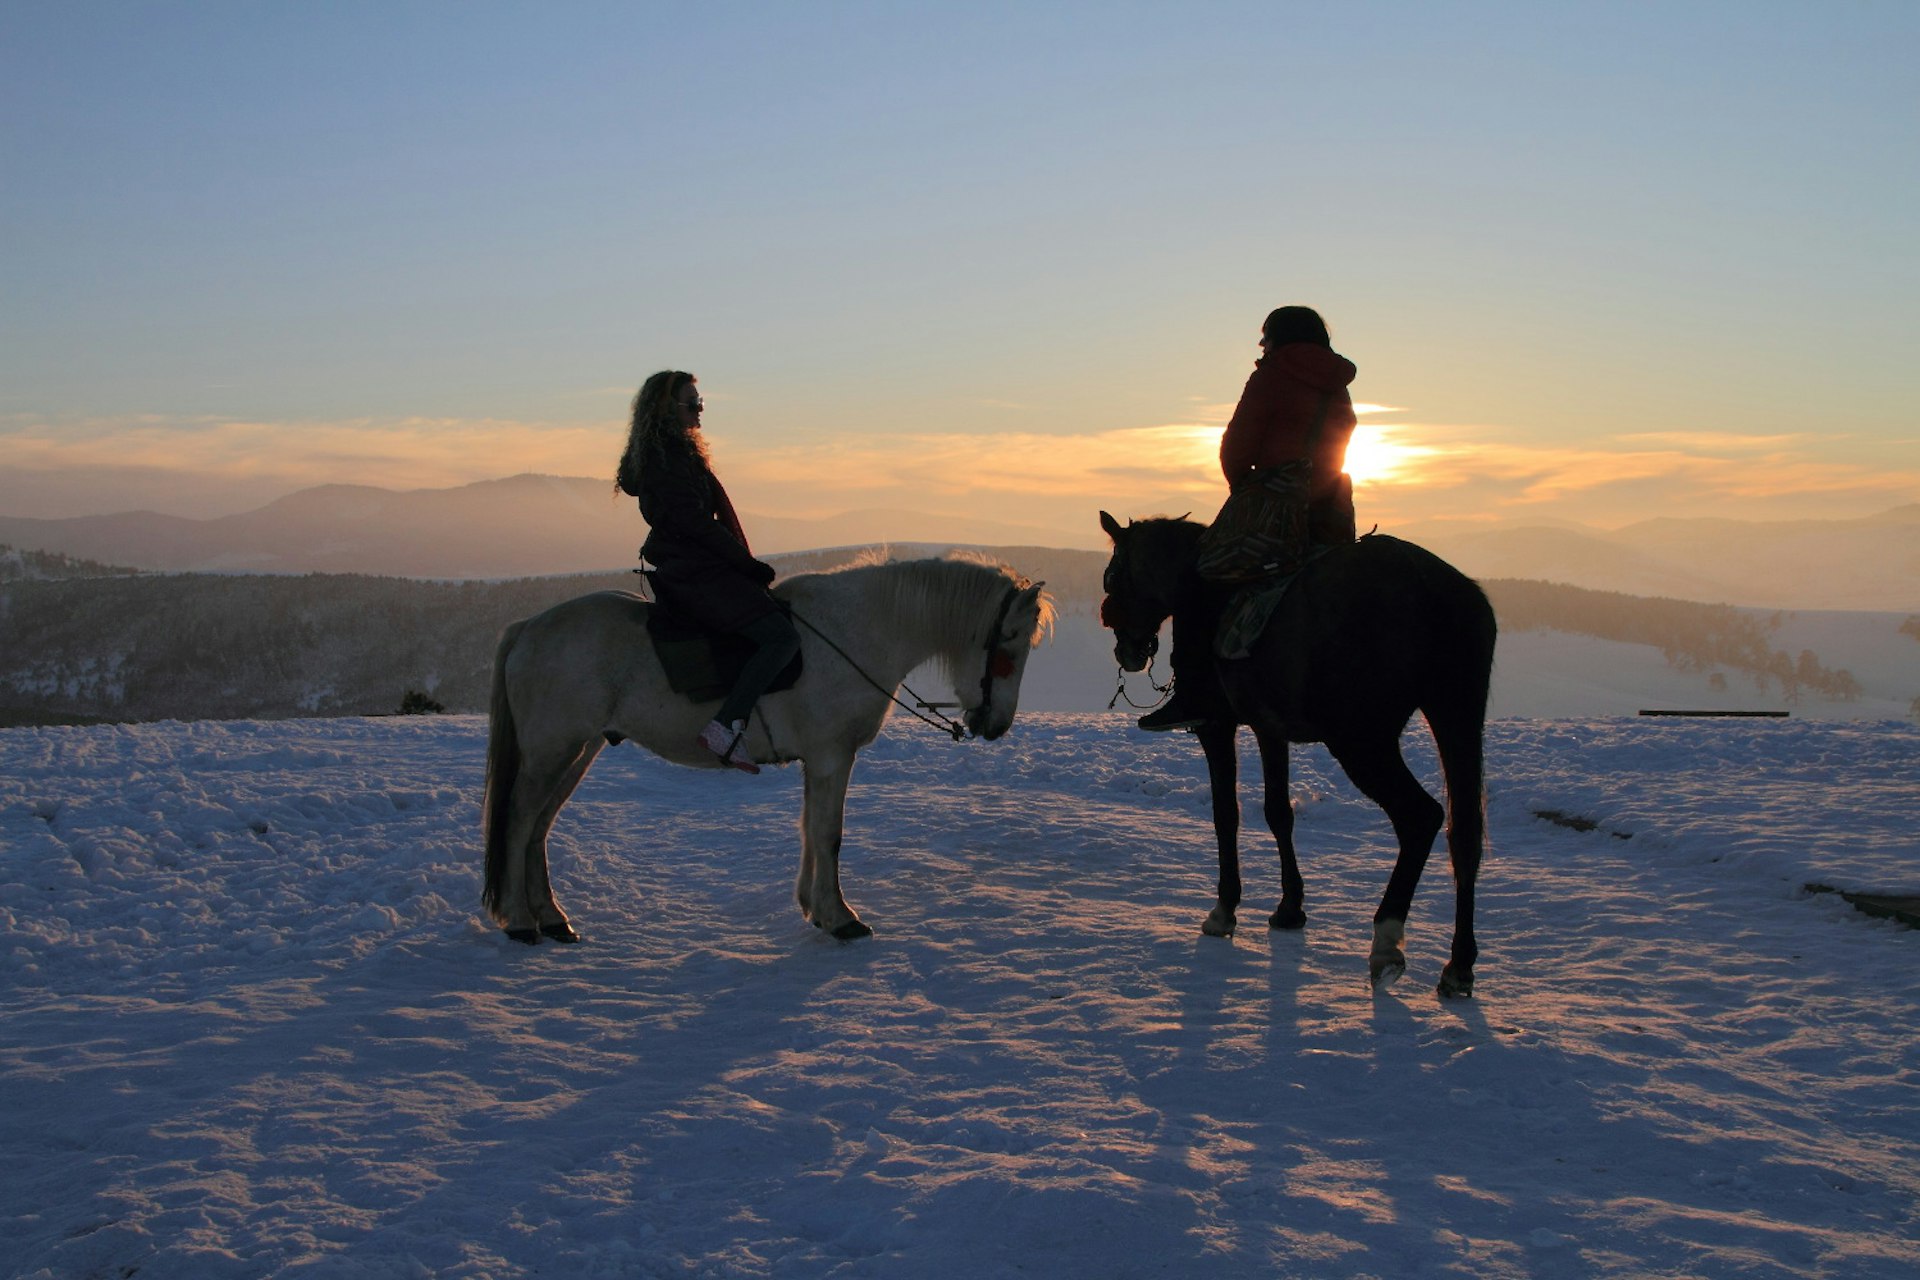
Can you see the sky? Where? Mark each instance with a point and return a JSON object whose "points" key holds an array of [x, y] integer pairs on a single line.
{"points": [[1595, 263]]}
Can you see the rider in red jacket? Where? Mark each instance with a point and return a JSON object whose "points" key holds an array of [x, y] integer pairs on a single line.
{"points": [[1275, 418], [1295, 410]]}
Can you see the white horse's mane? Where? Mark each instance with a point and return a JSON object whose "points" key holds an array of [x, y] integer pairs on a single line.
{"points": [[952, 593]]}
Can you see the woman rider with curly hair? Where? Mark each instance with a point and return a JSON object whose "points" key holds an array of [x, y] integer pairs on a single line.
{"points": [[703, 567]]}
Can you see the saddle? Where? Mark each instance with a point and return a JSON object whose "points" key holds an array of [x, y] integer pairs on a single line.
{"points": [[1249, 609], [1328, 524], [702, 664]]}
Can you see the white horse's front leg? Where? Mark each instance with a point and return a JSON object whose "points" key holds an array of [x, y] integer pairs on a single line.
{"points": [[821, 824], [803, 883]]}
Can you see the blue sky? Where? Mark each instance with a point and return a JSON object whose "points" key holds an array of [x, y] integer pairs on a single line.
{"points": [[1595, 262]]}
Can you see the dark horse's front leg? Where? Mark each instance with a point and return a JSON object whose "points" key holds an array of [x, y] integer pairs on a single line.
{"points": [[1223, 773], [1275, 781]]}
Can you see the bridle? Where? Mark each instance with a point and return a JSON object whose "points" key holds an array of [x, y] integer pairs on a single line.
{"points": [[999, 663], [1118, 618]]}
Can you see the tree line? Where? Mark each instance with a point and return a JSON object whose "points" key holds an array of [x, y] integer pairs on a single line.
{"points": [[212, 647], [82, 642], [1705, 638]]}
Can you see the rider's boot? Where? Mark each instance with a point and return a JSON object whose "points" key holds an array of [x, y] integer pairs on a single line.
{"points": [[1197, 696], [725, 740], [1174, 713]]}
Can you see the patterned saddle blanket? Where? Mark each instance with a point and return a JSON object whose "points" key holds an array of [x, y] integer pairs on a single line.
{"points": [[1250, 609]]}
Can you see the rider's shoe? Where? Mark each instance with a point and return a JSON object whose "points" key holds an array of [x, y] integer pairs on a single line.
{"points": [[1172, 715], [724, 740]]}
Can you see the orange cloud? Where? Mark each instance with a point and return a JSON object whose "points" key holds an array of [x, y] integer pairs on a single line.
{"points": [[391, 453], [1404, 471]]}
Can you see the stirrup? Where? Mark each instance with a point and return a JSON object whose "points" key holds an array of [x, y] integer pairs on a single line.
{"points": [[1170, 716], [722, 740]]}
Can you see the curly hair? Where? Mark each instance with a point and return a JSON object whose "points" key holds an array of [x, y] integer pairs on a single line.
{"points": [[656, 428]]}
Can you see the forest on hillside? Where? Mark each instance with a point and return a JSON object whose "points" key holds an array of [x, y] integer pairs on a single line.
{"points": [[1713, 639], [82, 642], [216, 647], [20, 565]]}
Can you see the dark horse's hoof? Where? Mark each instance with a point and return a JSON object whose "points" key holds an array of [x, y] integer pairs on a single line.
{"points": [[1455, 984], [1286, 917], [562, 932], [529, 936], [852, 931]]}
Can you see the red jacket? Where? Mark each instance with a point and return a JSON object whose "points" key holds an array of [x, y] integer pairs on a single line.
{"points": [[1276, 412]]}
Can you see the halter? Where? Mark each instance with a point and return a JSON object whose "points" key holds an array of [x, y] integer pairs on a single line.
{"points": [[999, 663], [1110, 612]]}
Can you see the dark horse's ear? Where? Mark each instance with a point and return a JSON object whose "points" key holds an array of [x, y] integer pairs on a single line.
{"points": [[1111, 525]]}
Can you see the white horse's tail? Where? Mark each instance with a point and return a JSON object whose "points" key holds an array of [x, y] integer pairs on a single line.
{"points": [[503, 767]]}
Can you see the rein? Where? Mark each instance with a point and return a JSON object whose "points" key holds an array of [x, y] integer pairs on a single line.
{"points": [[1120, 689], [953, 728]]}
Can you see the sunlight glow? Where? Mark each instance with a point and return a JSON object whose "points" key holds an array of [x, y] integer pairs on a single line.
{"points": [[1376, 455]]}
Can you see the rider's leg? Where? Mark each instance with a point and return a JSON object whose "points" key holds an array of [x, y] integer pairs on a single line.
{"points": [[1197, 696], [776, 642]]}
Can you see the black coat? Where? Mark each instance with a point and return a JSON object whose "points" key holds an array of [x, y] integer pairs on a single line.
{"points": [[703, 567]]}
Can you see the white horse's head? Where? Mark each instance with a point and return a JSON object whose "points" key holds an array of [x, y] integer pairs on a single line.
{"points": [[1023, 617]]}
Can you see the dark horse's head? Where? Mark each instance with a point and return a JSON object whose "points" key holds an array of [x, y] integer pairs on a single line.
{"points": [[1150, 559]]}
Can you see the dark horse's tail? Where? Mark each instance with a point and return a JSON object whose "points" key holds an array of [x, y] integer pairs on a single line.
{"points": [[1457, 714], [503, 767]]}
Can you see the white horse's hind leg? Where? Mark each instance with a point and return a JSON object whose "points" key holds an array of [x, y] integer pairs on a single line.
{"points": [[547, 915], [546, 780], [821, 824]]}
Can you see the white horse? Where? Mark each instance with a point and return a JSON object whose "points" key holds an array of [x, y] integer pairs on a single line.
{"points": [[583, 675]]}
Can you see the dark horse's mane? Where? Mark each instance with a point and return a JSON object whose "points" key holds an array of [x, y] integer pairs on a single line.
{"points": [[1174, 537], [1180, 524]]}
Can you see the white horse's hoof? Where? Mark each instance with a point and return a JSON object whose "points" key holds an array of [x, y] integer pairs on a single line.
{"points": [[853, 931]]}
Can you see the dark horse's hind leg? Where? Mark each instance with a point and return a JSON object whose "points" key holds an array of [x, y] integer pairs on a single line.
{"points": [[1223, 775], [1380, 772], [1276, 783]]}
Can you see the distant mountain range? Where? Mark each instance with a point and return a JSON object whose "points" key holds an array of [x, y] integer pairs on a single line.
{"points": [[1870, 563], [534, 525], [522, 526]]}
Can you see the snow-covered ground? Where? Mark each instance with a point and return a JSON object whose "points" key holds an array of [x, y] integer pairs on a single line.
{"points": [[252, 1023]]}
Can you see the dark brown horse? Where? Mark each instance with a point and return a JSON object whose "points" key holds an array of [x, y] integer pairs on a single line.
{"points": [[1368, 633]]}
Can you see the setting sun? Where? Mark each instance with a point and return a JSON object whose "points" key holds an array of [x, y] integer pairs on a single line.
{"points": [[1376, 456]]}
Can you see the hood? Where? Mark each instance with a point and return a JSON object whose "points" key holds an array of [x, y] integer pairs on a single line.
{"points": [[1317, 366]]}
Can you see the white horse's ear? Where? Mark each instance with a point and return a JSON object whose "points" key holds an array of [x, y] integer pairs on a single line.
{"points": [[1111, 525]]}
